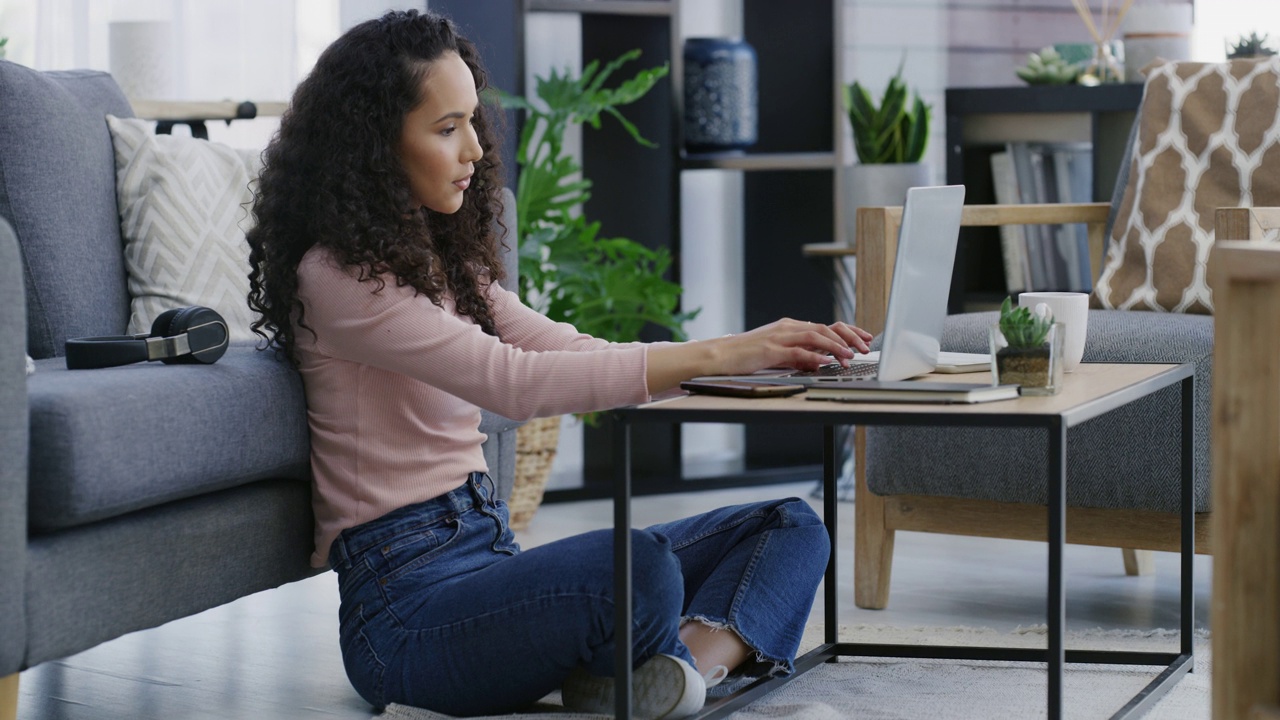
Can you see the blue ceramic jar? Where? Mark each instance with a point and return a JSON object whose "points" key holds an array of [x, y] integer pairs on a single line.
{"points": [[719, 95]]}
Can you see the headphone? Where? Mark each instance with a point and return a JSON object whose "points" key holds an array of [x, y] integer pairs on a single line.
{"points": [[183, 335]]}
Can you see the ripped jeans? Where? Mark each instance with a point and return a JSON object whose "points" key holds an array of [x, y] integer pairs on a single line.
{"points": [[441, 609]]}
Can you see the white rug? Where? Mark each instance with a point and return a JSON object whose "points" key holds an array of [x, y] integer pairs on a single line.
{"points": [[907, 689]]}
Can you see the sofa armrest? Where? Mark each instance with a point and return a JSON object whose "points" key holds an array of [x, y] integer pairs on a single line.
{"points": [[877, 244], [13, 454], [1246, 223], [1245, 277]]}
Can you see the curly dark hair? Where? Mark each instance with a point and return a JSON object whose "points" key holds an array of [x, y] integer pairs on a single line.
{"points": [[332, 177]]}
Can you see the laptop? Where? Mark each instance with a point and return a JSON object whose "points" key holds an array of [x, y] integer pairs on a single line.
{"points": [[918, 293]]}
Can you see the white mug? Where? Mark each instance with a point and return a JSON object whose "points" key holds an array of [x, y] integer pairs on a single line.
{"points": [[1072, 310]]}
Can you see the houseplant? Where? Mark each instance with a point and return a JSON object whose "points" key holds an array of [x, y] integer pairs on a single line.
{"points": [[890, 138], [1026, 349], [1251, 46], [611, 288]]}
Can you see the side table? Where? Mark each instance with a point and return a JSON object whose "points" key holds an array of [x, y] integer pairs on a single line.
{"points": [[1094, 390]]}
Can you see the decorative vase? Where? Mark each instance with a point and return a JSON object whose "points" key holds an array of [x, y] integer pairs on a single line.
{"points": [[869, 185], [141, 58], [1038, 370], [1105, 67], [1154, 32], [719, 95]]}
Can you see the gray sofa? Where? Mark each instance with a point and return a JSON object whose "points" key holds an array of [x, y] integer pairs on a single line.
{"points": [[135, 495]]}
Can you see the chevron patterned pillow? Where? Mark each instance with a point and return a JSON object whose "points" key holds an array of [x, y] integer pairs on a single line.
{"points": [[1208, 137], [184, 208]]}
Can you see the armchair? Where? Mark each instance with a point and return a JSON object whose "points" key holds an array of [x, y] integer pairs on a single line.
{"points": [[1123, 467], [1246, 473]]}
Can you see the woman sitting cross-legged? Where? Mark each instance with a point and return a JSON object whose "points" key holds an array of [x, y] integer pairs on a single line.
{"points": [[376, 269]]}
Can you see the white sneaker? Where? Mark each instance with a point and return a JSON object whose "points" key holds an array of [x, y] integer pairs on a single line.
{"points": [[664, 687], [715, 676]]}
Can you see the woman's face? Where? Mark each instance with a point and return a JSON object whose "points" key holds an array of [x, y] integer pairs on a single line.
{"points": [[438, 145]]}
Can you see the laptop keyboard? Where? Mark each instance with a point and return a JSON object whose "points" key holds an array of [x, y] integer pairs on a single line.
{"points": [[855, 369]]}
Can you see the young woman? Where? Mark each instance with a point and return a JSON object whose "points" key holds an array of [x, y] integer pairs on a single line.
{"points": [[375, 269]]}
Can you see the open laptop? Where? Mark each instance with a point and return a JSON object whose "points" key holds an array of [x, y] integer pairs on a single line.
{"points": [[917, 299]]}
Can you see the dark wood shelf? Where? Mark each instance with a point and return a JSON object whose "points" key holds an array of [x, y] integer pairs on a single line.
{"points": [[1043, 98], [759, 161], [659, 8], [979, 121]]}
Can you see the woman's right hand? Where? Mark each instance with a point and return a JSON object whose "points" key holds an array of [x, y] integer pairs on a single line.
{"points": [[784, 343]]}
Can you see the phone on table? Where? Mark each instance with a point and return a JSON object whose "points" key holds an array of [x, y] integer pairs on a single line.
{"points": [[736, 388]]}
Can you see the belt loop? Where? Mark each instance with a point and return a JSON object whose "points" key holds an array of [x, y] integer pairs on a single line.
{"points": [[493, 490], [344, 560]]}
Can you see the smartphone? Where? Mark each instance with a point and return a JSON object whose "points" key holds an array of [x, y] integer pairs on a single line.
{"points": [[735, 388]]}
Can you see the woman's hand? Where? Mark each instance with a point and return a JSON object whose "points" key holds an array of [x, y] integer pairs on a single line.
{"points": [[784, 343], [791, 343]]}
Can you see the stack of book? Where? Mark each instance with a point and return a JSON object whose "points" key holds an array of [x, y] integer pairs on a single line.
{"points": [[913, 391], [1044, 257]]}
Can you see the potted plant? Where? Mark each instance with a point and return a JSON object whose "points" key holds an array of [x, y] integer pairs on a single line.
{"points": [[611, 288], [1250, 47], [889, 138], [1026, 349]]}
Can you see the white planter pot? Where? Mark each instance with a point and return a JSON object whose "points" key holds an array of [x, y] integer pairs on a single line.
{"points": [[879, 186]]}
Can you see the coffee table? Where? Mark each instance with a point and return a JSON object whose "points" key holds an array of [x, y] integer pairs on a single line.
{"points": [[1094, 389]]}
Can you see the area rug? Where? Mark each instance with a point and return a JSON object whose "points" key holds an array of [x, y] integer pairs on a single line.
{"points": [[907, 689]]}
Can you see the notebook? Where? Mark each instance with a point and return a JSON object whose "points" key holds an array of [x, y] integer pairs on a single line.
{"points": [[918, 293]]}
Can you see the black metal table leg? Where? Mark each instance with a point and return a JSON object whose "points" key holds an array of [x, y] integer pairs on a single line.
{"points": [[830, 504], [1187, 628], [622, 569], [1057, 604]]}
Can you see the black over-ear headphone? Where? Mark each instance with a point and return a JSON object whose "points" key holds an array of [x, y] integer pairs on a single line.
{"points": [[182, 335]]}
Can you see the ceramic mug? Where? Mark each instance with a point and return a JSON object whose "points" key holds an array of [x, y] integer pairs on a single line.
{"points": [[1072, 310]]}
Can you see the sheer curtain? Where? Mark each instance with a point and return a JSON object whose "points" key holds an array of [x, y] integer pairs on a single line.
{"points": [[225, 50]]}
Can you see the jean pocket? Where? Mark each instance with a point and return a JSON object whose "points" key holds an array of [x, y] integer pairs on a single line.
{"points": [[410, 551]]}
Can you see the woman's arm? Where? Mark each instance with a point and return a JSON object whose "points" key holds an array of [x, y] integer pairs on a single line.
{"points": [[784, 343]]}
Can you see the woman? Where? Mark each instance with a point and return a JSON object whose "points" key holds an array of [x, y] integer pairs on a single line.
{"points": [[376, 270]]}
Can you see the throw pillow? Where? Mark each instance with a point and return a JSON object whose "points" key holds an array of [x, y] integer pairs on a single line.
{"points": [[184, 207], [1208, 137]]}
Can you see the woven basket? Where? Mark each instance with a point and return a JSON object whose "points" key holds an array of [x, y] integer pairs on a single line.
{"points": [[536, 443]]}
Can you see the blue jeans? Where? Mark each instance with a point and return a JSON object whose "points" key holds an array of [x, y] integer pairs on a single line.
{"points": [[441, 609]]}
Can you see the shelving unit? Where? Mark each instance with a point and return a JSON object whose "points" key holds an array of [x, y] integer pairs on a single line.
{"points": [[790, 186], [979, 123]]}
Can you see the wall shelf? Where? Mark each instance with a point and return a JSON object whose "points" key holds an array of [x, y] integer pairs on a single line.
{"points": [[658, 8], [759, 161]]}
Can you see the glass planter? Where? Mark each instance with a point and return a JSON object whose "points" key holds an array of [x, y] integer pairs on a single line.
{"points": [[1038, 370]]}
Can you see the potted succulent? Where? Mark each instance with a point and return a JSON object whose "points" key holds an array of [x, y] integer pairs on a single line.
{"points": [[1026, 349], [889, 138], [1250, 47], [610, 288]]}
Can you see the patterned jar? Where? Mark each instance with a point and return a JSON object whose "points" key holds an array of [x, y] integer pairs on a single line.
{"points": [[719, 95]]}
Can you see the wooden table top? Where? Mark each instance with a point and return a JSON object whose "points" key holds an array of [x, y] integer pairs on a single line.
{"points": [[1093, 389]]}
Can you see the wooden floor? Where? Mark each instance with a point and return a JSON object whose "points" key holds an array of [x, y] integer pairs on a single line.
{"points": [[275, 654]]}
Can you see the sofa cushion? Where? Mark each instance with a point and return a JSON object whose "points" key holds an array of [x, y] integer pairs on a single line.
{"points": [[1205, 140], [58, 190], [1128, 458], [184, 208], [108, 441]]}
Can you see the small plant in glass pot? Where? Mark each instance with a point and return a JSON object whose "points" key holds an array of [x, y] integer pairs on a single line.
{"points": [[1026, 349]]}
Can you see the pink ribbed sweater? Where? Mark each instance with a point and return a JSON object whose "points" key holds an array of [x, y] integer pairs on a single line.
{"points": [[395, 383]]}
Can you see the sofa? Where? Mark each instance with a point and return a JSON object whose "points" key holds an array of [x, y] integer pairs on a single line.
{"points": [[133, 495]]}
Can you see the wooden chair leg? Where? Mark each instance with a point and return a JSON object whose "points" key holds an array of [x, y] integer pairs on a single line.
{"points": [[9, 697], [873, 542], [1139, 562]]}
